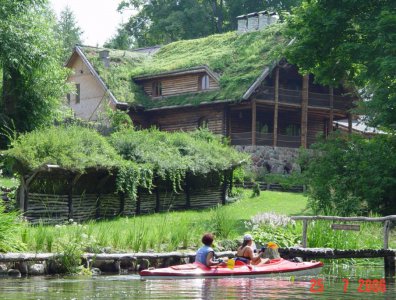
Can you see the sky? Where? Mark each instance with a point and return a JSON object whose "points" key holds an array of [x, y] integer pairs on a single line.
{"points": [[98, 19]]}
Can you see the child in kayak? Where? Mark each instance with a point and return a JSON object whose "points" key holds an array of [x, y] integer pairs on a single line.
{"points": [[205, 255], [246, 253]]}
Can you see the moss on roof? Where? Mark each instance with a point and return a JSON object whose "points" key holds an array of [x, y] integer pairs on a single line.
{"points": [[238, 58]]}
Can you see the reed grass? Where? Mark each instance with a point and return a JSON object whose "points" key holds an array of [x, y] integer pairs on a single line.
{"points": [[183, 230]]}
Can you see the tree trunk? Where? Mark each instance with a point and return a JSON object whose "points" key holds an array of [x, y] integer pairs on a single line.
{"points": [[9, 95]]}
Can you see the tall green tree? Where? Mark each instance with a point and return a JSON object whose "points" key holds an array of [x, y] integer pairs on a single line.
{"points": [[68, 31], [161, 22], [351, 41], [121, 40], [33, 78]]}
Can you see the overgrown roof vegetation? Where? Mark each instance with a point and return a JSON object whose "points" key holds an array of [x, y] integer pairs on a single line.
{"points": [[71, 147], [238, 58], [135, 156], [172, 155]]}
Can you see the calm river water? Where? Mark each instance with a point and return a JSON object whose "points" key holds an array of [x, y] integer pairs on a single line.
{"points": [[331, 286]]}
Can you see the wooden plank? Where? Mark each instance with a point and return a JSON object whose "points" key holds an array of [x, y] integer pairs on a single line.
{"points": [[304, 111], [345, 219], [349, 123], [276, 108], [331, 113], [254, 120], [304, 233], [352, 227], [387, 225]]}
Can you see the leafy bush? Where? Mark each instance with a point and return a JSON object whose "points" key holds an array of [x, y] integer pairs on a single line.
{"points": [[271, 227], [351, 175]]}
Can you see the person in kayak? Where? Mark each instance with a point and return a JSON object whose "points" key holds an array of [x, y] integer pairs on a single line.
{"points": [[205, 255], [246, 253]]}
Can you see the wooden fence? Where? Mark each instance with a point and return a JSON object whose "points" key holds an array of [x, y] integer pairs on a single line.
{"points": [[388, 255]]}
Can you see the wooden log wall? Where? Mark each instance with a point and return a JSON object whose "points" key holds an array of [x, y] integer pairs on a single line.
{"points": [[208, 197], [56, 209], [147, 202], [187, 119], [84, 207], [179, 84], [110, 205], [129, 206], [48, 209], [170, 200]]}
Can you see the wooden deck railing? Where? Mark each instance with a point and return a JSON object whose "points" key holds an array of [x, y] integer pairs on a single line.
{"points": [[265, 139], [289, 96], [386, 220]]}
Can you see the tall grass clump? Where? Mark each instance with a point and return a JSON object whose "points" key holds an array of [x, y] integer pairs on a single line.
{"points": [[222, 223], [10, 226], [320, 234]]}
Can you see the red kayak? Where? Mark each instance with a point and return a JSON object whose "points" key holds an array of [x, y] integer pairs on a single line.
{"points": [[273, 267]]}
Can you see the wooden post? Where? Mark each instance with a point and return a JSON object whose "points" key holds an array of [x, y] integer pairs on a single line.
{"points": [[70, 196], [139, 191], [276, 107], [304, 233], [349, 123], [304, 111], [157, 197], [121, 196], [389, 266], [224, 190], [187, 190], [387, 224], [254, 118], [331, 115]]}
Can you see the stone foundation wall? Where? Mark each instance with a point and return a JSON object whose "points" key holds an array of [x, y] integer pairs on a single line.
{"points": [[278, 160]]}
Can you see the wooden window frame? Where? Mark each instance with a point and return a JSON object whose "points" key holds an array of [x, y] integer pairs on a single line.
{"points": [[203, 82], [156, 89], [78, 93]]}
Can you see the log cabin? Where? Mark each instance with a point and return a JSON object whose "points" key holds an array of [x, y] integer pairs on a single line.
{"points": [[236, 84]]}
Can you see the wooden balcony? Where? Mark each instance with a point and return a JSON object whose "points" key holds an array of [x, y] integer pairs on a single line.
{"points": [[287, 96], [265, 139]]}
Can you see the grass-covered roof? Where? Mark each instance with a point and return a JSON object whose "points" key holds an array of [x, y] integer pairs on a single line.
{"points": [[239, 59], [135, 156], [71, 147]]}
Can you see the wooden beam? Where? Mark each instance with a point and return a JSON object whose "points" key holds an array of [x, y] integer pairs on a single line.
{"points": [[304, 111], [387, 226], [331, 113], [304, 234], [276, 108], [254, 119]]}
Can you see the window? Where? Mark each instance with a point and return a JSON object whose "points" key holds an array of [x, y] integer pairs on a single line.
{"points": [[156, 89], [291, 130], [78, 93], [203, 83]]}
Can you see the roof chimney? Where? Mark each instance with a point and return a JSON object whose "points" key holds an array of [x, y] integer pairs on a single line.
{"points": [[264, 19], [253, 21], [242, 23], [274, 17], [104, 56]]}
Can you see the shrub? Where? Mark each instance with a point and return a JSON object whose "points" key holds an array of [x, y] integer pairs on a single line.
{"points": [[351, 175]]}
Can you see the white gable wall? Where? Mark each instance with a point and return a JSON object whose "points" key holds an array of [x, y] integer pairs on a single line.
{"points": [[92, 94]]}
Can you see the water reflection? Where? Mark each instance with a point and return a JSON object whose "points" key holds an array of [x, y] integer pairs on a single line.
{"points": [[132, 287]]}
